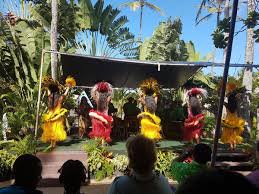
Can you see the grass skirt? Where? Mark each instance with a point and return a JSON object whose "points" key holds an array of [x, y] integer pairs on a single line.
{"points": [[53, 126]]}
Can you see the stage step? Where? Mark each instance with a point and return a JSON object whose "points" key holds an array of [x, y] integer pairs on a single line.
{"points": [[233, 156], [235, 161], [52, 162]]}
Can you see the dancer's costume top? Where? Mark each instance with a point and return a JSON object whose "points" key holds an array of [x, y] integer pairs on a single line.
{"points": [[193, 125], [150, 123], [53, 121], [233, 126], [101, 121]]}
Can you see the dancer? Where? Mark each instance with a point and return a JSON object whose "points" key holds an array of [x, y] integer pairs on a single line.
{"points": [[194, 123], [150, 123], [233, 126], [101, 121], [53, 121]]}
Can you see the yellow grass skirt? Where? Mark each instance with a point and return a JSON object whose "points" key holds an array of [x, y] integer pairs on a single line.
{"points": [[150, 125], [53, 126], [233, 127]]}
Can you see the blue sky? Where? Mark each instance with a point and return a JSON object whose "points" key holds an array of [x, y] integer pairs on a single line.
{"points": [[200, 35]]}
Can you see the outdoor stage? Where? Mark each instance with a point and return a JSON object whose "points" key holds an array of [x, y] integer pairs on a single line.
{"points": [[72, 149]]}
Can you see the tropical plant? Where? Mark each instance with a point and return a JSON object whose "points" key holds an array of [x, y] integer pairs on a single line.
{"points": [[209, 126], [120, 162], [134, 5], [26, 145], [6, 163], [196, 56], [164, 160], [103, 31], [165, 43], [98, 161], [211, 8]]}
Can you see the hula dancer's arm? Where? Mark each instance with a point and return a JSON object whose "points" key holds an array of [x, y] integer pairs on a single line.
{"points": [[95, 115]]}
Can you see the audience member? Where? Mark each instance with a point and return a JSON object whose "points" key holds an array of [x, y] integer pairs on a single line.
{"points": [[216, 182], [72, 174], [142, 178], [181, 168], [253, 177], [27, 174]]}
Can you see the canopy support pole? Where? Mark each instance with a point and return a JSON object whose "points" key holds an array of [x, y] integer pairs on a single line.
{"points": [[224, 82], [39, 94]]}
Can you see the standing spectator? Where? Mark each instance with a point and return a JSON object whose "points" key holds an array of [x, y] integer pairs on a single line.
{"points": [[27, 174], [181, 169], [142, 178], [72, 175]]}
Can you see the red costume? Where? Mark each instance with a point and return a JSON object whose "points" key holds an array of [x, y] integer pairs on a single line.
{"points": [[101, 121], [193, 125], [100, 129]]}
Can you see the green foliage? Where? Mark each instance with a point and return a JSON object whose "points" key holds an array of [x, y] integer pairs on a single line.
{"points": [[196, 56], [26, 145], [164, 160], [103, 31], [6, 163], [120, 162], [209, 126], [219, 37], [165, 43], [98, 161]]}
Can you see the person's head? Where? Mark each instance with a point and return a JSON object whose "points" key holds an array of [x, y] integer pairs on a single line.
{"points": [[216, 181], [130, 100], [195, 105], [150, 104], [72, 174], [27, 171], [141, 153], [201, 153]]}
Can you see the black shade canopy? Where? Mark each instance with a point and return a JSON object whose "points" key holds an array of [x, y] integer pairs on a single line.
{"points": [[123, 73]]}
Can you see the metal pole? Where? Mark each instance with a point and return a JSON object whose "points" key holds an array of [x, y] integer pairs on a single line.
{"points": [[225, 77], [39, 93]]}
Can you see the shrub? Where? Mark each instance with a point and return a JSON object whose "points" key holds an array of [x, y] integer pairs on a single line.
{"points": [[164, 160], [6, 163]]}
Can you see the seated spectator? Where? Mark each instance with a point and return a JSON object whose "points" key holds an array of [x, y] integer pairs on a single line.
{"points": [[216, 182], [253, 177], [72, 174], [27, 174], [142, 177], [199, 156]]}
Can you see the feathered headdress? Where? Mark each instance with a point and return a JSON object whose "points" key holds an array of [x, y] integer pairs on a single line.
{"points": [[101, 87], [48, 82], [70, 82], [197, 91], [150, 87]]}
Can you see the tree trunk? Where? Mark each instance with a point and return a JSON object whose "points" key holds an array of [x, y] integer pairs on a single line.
{"points": [[226, 15], [248, 79], [140, 23], [257, 135], [54, 39]]}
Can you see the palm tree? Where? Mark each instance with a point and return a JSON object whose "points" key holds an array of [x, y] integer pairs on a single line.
{"points": [[54, 38], [103, 31], [134, 5], [248, 77]]}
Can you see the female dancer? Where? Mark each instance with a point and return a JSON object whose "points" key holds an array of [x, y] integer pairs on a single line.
{"points": [[53, 121], [149, 122], [233, 126], [101, 121], [194, 123]]}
